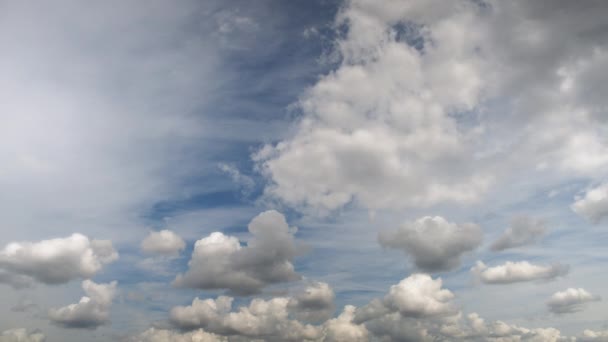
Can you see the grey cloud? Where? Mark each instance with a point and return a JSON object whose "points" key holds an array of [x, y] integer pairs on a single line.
{"points": [[570, 300], [314, 304], [219, 262], [92, 311], [164, 242], [433, 243], [523, 231]]}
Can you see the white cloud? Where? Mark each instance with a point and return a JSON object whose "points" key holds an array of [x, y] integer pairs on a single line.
{"points": [[264, 319], [164, 242], [54, 261], [594, 336], [219, 262], [92, 311], [433, 243], [164, 335], [513, 272], [417, 296], [436, 102], [570, 300], [523, 231], [21, 335], [343, 328], [593, 206]]}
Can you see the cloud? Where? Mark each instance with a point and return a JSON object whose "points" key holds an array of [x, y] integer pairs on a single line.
{"points": [[593, 206], [433, 243], [416, 296], [513, 272], [245, 182], [314, 304], [54, 261], [219, 262], [263, 319], [164, 335], [415, 309], [570, 300], [92, 311], [441, 103], [21, 335], [164, 242], [343, 328], [594, 336], [523, 231]]}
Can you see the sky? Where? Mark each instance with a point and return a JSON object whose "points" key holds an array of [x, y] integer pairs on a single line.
{"points": [[314, 170]]}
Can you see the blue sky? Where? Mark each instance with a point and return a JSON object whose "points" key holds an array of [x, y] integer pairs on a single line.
{"points": [[339, 170]]}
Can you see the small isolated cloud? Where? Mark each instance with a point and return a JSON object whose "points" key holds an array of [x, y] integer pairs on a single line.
{"points": [[314, 304], [523, 231], [164, 242], [515, 272], [570, 300], [593, 206], [433, 243], [21, 335], [54, 261], [92, 311], [220, 262]]}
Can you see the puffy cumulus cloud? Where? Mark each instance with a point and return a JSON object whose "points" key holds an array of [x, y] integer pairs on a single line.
{"points": [[570, 300], [416, 309], [54, 261], [92, 311], [220, 262], [523, 231], [263, 319], [164, 335], [21, 335], [410, 116], [377, 129], [314, 304], [433, 243], [593, 206], [343, 328], [513, 272], [409, 310], [164, 242], [419, 295]]}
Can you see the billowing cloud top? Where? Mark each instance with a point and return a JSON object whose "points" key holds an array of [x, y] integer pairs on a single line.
{"points": [[219, 262]]}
